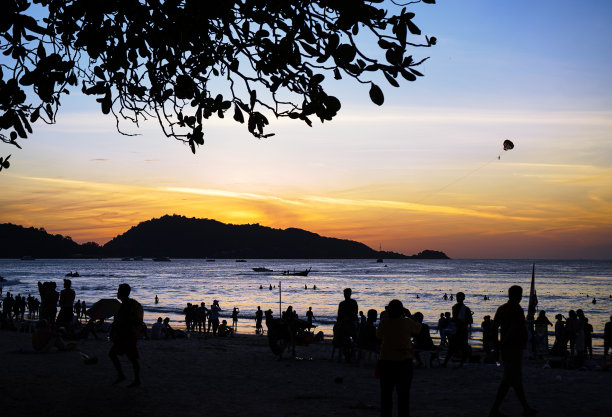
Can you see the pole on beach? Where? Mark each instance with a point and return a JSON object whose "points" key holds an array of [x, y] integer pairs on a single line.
{"points": [[531, 309], [533, 298], [280, 300]]}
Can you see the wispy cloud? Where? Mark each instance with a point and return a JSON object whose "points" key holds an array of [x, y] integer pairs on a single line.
{"points": [[475, 116], [94, 122], [230, 194], [309, 201]]}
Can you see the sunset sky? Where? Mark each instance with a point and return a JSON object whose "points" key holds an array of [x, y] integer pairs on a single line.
{"points": [[420, 172]]}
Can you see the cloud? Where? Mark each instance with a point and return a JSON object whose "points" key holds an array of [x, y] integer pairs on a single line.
{"points": [[230, 194], [424, 115], [309, 201]]}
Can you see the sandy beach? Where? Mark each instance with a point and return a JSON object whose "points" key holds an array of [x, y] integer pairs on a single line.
{"points": [[239, 376]]}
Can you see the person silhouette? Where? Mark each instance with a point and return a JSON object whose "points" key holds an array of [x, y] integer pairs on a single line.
{"points": [[607, 337], [235, 312], [462, 318], [309, 318], [125, 333], [66, 301], [77, 309], [348, 308], [510, 318], [258, 320], [489, 337], [395, 359], [48, 301], [213, 317]]}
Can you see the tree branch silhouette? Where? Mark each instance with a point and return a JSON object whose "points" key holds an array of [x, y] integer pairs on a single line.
{"points": [[184, 61]]}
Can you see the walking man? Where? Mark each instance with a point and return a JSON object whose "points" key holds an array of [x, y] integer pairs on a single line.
{"points": [[126, 329], [510, 318]]}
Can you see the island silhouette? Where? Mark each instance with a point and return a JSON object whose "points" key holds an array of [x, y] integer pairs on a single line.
{"points": [[178, 236]]}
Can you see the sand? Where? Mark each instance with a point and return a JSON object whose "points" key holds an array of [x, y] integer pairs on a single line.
{"points": [[239, 376]]}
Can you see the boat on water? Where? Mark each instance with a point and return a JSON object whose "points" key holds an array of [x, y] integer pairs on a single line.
{"points": [[74, 274], [298, 273], [135, 258], [211, 260], [262, 269], [240, 260], [161, 259]]}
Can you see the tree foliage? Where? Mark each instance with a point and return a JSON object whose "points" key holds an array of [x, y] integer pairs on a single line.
{"points": [[185, 61]]}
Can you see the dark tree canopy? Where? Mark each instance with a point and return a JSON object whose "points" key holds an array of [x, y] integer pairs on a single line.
{"points": [[184, 61]]}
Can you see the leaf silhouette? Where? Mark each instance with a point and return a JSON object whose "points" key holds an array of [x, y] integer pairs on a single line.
{"points": [[376, 95]]}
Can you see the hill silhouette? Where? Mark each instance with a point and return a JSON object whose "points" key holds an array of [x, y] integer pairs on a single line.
{"points": [[18, 241], [181, 237]]}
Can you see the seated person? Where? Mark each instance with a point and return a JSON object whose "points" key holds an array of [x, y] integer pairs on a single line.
{"points": [[224, 330], [90, 327], [167, 330], [157, 330], [44, 338]]}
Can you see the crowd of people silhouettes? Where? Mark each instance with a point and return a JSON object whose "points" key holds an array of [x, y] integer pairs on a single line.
{"points": [[398, 338]]}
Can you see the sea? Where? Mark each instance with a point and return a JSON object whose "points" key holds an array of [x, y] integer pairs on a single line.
{"points": [[561, 285]]}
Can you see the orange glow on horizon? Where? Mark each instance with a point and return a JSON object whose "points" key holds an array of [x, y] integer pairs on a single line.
{"points": [[98, 212]]}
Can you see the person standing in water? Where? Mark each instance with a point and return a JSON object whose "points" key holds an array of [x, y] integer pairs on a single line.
{"points": [[213, 317], [258, 320], [309, 318], [235, 312]]}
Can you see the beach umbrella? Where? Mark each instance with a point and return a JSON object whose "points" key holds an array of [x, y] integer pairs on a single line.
{"points": [[104, 308]]}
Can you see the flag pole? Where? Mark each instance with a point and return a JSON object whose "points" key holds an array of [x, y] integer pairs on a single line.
{"points": [[533, 298]]}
